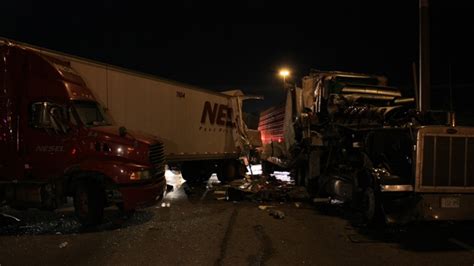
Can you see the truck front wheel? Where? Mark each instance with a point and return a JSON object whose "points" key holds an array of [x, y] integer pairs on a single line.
{"points": [[89, 202], [371, 208]]}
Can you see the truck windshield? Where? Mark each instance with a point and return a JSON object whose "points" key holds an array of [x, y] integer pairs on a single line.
{"points": [[91, 114]]}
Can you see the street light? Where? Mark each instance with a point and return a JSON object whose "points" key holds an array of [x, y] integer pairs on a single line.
{"points": [[284, 73]]}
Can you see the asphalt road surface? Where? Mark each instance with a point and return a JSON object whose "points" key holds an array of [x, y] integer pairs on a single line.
{"points": [[197, 229]]}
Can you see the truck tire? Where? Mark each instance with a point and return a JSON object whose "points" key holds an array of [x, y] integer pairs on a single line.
{"points": [[127, 214], [371, 208], [89, 202]]}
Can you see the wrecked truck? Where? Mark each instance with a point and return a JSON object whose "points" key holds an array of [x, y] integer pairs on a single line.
{"points": [[56, 142], [350, 138]]}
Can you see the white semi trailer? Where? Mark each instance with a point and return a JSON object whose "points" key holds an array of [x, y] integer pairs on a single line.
{"points": [[203, 131]]}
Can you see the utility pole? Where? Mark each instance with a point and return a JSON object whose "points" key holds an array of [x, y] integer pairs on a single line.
{"points": [[424, 95]]}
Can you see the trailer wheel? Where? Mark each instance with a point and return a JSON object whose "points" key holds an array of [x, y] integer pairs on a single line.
{"points": [[89, 202], [195, 173]]}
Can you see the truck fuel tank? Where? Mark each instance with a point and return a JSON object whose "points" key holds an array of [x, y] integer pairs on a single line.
{"points": [[339, 188]]}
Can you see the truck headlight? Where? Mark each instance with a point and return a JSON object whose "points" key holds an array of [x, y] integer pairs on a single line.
{"points": [[140, 175]]}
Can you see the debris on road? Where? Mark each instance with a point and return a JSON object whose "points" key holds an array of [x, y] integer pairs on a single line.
{"points": [[63, 244], [264, 207], [220, 194], [261, 188], [277, 214]]}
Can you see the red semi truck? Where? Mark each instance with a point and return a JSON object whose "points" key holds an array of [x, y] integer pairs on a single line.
{"points": [[56, 141], [203, 131]]}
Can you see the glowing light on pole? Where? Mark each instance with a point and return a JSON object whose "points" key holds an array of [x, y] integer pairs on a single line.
{"points": [[284, 73]]}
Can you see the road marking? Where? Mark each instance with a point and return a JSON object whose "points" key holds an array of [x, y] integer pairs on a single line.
{"points": [[461, 244]]}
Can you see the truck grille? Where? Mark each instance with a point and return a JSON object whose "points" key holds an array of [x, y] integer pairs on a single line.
{"points": [[157, 157], [447, 161]]}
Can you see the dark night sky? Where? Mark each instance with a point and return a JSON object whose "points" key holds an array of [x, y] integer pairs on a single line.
{"points": [[243, 46]]}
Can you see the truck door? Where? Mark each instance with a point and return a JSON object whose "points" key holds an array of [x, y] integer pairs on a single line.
{"points": [[47, 141], [8, 152], [8, 124]]}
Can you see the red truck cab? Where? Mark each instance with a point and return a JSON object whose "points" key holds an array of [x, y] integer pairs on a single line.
{"points": [[56, 141]]}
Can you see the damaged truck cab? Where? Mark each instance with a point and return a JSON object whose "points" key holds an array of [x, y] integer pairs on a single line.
{"points": [[351, 139], [56, 141]]}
